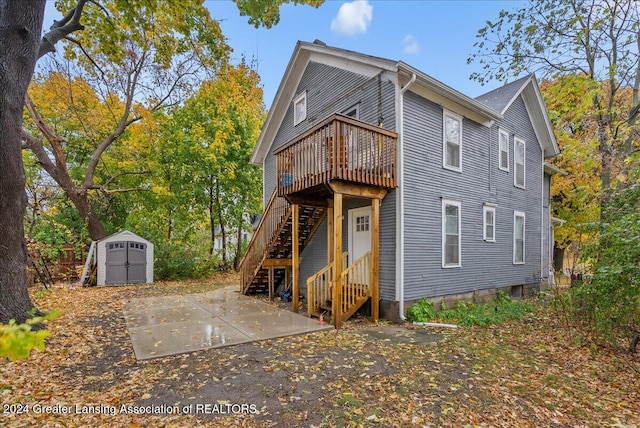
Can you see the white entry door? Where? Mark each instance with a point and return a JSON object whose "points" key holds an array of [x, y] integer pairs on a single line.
{"points": [[359, 232]]}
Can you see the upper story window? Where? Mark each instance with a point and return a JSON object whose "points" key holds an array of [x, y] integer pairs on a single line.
{"points": [[300, 108], [489, 223], [518, 162], [450, 233], [503, 142], [518, 238], [452, 142], [353, 111]]}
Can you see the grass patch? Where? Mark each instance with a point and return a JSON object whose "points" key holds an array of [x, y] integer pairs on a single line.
{"points": [[467, 314], [496, 312]]}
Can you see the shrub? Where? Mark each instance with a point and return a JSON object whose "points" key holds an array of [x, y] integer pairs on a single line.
{"points": [[421, 311], [503, 308], [610, 299], [17, 340]]}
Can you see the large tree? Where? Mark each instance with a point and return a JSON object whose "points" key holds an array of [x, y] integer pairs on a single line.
{"points": [[21, 45], [137, 58], [20, 29], [598, 40]]}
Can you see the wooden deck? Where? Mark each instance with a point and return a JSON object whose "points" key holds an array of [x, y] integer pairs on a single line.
{"points": [[339, 158], [339, 148]]}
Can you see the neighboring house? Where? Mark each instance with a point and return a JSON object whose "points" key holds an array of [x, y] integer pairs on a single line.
{"points": [[232, 235], [397, 187]]}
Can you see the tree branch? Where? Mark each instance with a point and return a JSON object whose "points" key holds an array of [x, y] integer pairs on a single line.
{"points": [[54, 139], [122, 125], [84, 51], [113, 191], [35, 145], [61, 29]]}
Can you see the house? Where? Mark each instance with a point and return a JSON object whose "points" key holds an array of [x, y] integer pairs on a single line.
{"points": [[397, 187], [232, 235]]}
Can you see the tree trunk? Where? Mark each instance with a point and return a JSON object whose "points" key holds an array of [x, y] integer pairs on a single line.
{"points": [[212, 219], [236, 259], [221, 222], [80, 200], [20, 30]]}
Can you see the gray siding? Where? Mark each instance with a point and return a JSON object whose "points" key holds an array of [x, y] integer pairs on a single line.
{"points": [[314, 256], [331, 90], [485, 265]]}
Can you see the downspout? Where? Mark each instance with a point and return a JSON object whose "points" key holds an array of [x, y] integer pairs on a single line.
{"points": [[400, 205], [542, 221]]}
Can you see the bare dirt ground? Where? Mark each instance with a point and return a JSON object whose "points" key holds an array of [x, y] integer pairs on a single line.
{"points": [[527, 373]]}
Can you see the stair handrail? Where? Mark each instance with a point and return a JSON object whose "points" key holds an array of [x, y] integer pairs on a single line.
{"points": [[262, 237], [356, 282], [319, 286]]}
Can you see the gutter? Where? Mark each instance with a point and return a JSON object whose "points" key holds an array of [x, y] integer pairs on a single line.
{"points": [[400, 205]]}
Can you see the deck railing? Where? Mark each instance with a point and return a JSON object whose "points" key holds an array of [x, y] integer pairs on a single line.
{"points": [[338, 148], [320, 286], [275, 214], [356, 282]]}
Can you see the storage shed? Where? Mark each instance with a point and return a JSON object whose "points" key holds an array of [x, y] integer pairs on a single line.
{"points": [[124, 258]]}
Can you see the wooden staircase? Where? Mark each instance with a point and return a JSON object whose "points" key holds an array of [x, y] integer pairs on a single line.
{"points": [[272, 240], [355, 289]]}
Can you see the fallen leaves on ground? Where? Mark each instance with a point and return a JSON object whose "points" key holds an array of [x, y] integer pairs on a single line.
{"points": [[518, 374]]}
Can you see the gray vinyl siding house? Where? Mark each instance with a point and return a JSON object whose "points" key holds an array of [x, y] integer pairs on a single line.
{"points": [[422, 209]]}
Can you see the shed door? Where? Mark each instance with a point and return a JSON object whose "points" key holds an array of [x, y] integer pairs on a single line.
{"points": [[126, 263], [137, 256], [116, 263]]}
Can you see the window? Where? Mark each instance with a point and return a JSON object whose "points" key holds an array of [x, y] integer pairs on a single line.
{"points": [[299, 108], [503, 141], [450, 233], [353, 111], [362, 223], [452, 142], [489, 223], [518, 162], [518, 237]]}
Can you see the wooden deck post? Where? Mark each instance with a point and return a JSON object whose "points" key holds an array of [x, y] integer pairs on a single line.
{"points": [[295, 267], [336, 307], [271, 291], [330, 231], [375, 259]]}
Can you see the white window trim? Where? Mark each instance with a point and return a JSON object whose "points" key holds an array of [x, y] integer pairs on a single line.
{"points": [[502, 132], [354, 108], [445, 114], [486, 208], [296, 100], [524, 237], [458, 204], [516, 141]]}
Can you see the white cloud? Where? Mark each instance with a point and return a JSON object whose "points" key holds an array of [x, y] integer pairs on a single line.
{"points": [[411, 45], [353, 18]]}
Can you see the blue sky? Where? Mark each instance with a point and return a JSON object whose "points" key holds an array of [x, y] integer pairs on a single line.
{"points": [[434, 36]]}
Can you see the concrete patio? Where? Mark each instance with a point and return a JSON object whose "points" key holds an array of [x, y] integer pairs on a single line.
{"points": [[169, 325]]}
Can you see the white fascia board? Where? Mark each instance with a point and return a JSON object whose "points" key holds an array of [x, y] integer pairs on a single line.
{"points": [[552, 169], [280, 103], [537, 112], [540, 119], [449, 98], [305, 52]]}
